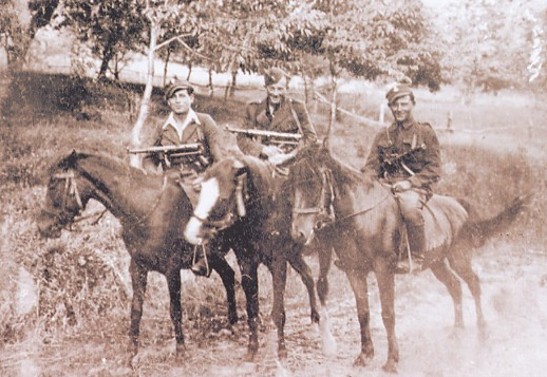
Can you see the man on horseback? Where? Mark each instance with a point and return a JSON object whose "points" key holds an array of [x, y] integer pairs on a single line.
{"points": [[277, 113], [185, 126], [406, 156]]}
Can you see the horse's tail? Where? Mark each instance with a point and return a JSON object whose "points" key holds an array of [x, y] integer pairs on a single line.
{"points": [[478, 231]]}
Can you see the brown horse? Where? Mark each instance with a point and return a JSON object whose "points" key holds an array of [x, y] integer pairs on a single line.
{"points": [[360, 219], [242, 207], [153, 211]]}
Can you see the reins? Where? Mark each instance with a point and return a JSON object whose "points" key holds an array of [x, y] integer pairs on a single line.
{"points": [[71, 189]]}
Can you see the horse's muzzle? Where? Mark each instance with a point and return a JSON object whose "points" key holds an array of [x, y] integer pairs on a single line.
{"points": [[193, 231]]}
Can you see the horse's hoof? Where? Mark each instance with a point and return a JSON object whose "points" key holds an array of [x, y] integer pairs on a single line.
{"points": [[282, 353], [315, 317], [484, 334], [361, 360], [390, 367], [232, 319], [180, 351], [249, 356]]}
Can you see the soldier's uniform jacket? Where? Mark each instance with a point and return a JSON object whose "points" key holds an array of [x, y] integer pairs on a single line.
{"points": [[291, 117], [201, 128], [406, 151]]}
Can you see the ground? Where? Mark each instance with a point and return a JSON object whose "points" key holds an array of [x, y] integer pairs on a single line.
{"points": [[514, 281]]}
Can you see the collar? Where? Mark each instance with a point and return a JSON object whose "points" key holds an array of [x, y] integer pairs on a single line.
{"points": [[270, 107], [191, 117], [406, 124]]}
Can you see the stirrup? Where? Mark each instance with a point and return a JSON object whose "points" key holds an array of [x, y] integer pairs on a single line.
{"points": [[200, 266]]}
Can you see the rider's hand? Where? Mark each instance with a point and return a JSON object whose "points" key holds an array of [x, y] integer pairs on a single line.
{"points": [[402, 186], [280, 158], [271, 150], [196, 184]]}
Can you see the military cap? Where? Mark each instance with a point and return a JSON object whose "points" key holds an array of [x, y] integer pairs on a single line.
{"points": [[399, 90], [175, 85], [273, 75]]}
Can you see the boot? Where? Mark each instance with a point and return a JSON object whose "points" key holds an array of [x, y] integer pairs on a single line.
{"points": [[417, 244]]}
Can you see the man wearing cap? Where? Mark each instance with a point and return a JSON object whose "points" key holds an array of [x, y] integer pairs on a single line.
{"points": [[406, 155], [185, 126], [277, 113]]}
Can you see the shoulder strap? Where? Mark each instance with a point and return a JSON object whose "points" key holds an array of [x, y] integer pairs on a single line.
{"points": [[295, 116]]}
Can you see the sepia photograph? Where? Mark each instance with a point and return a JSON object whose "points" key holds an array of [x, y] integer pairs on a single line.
{"points": [[273, 188]]}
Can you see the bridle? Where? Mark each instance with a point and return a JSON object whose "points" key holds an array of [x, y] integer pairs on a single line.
{"points": [[237, 209], [324, 209], [70, 190], [65, 217]]}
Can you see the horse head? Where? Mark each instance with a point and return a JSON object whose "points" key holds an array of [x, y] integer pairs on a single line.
{"points": [[65, 198], [313, 188], [221, 201]]}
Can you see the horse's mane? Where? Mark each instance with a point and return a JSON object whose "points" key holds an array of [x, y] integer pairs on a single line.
{"points": [[121, 167], [344, 174]]}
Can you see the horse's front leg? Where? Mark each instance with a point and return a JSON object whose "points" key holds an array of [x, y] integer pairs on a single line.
{"points": [[226, 273], [138, 282], [279, 279], [358, 282], [249, 282], [175, 309], [386, 284], [299, 264]]}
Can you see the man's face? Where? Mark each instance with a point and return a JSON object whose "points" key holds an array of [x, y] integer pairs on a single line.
{"points": [[276, 91], [401, 108], [180, 102]]}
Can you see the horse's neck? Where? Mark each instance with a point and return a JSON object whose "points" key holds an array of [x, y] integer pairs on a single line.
{"points": [[262, 182], [116, 189], [354, 198]]}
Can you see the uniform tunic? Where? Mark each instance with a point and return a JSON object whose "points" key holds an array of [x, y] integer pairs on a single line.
{"points": [[286, 119], [200, 128], [409, 151]]}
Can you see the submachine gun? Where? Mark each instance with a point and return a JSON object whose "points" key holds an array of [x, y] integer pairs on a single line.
{"points": [[191, 152], [282, 139], [189, 149]]}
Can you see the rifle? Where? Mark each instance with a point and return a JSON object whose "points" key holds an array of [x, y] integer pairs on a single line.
{"points": [[176, 150], [275, 137]]}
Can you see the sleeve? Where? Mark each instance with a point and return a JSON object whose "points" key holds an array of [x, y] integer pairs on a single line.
{"points": [[430, 173], [246, 143], [213, 136], [309, 136], [151, 161], [372, 163]]}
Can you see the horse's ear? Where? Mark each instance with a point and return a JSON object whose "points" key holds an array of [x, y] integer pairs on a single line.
{"points": [[239, 167], [237, 164]]}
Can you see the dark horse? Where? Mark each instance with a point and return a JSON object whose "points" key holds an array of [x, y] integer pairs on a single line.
{"points": [[242, 207], [360, 219], [153, 211]]}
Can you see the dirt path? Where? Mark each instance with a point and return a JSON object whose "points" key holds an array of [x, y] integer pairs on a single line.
{"points": [[514, 283]]}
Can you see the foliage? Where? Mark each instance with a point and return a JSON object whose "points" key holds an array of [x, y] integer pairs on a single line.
{"points": [[489, 43], [381, 39], [110, 27]]}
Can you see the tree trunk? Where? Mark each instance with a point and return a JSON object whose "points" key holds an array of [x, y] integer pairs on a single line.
{"points": [[169, 50], [189, 71], [211, 87], [108, 53], [135, 159]]}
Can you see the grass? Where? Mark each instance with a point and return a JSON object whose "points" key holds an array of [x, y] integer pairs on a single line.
{"points": [[82, 279]]}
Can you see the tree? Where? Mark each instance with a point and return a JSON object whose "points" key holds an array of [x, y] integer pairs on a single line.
{"points": [[489, 43], [109, 27]]}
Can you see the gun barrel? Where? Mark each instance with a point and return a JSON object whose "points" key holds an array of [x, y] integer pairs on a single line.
{"points": [[190, 148], [271, 134]]}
